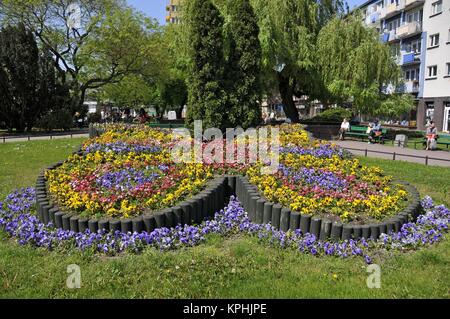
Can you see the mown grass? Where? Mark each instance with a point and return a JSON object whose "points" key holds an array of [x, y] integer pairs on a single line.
{"points": [[237, 267], [21, 162]]}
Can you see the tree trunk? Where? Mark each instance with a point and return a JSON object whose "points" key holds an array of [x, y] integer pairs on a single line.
{"points": [[179, 112], [287, 97]]}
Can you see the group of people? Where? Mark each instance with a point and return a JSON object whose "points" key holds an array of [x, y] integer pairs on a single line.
{"points": [[268, 119], [126, 117], [373, 130], [392, 122]]}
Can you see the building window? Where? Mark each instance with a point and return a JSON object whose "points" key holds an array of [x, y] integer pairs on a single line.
{"points": [[413, 46], [436, 7], [414, 16], [448, 68], [432, 71], [412, 75], [434, 40]]}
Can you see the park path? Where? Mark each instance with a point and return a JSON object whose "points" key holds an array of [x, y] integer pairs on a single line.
{"points": [[40, 138], [401, 154]]}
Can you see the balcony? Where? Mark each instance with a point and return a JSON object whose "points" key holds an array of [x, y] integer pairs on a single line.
{"points": [[389, 36], [412, 87], [409, 29], [411, 58], [392, 9], [410, 4], [373, 19]]}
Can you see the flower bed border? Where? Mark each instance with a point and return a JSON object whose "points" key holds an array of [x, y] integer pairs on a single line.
{"points": [[261, 211], [213, 198]]}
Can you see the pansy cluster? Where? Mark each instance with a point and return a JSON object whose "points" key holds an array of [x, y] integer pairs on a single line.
{"points": [[130, 169], [124, 172], [320, 178], [122, 147], [19, 221]]}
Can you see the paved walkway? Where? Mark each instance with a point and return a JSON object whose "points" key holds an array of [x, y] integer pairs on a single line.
{"points": [[402, 154], [40, 137]]}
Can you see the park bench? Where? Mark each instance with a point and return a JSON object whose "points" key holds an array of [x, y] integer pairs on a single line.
{"points": [[443, 139], [360, 132]]}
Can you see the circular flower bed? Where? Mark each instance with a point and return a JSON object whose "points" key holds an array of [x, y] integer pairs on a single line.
{"points": [[128, 170]]}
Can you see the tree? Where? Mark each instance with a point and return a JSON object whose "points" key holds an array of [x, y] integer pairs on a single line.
{"points": [[174, 95], [132, 92], [205, 85], [19, 61], [288, 35], [244, 65], [93, 43], [29, 87], [356, 66]]}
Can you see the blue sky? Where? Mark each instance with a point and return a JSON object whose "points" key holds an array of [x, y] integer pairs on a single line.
{"points": [[157, 8], [153, 8]]}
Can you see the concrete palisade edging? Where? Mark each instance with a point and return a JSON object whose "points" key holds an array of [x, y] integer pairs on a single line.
{"points": [[283, 218], [212, 199]]}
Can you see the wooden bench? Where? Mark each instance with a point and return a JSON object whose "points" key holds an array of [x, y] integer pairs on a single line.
{"points": [[360, 132], [443, 139]]}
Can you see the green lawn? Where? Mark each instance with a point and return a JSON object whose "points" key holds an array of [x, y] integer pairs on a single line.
{"points": [[221, 268]]}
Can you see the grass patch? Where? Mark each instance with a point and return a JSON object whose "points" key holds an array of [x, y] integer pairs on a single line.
{"points": [[429, 180], [21, 162], [237, 267]]}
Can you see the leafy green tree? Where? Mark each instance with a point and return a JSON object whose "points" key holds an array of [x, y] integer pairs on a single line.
{"points": [[394, 105], [100, 42], [244, 65], [288, 36], [27, 78], [355, 66], [29, 87], [19, 61], [174, 95], [207, 97], [131, 92]]}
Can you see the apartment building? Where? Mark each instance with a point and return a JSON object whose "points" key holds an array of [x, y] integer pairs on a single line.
{"points": [[173, 11], [418, 32]]}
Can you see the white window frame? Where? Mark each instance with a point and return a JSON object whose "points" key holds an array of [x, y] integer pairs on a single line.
{"points": [[430, 68], [433, 42], [434, 7]]}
